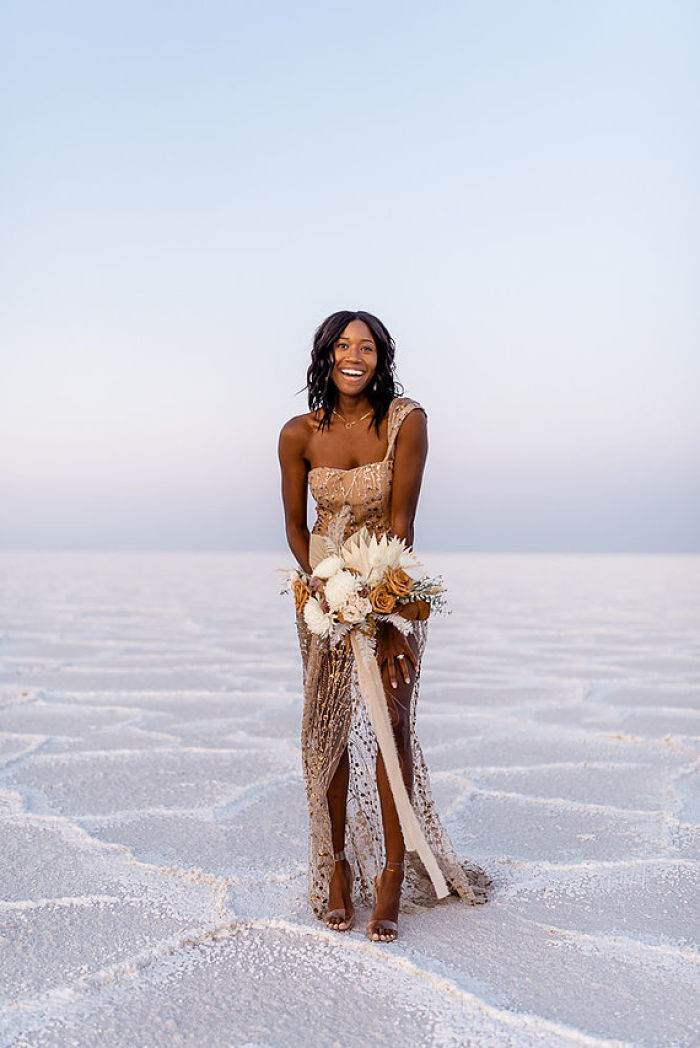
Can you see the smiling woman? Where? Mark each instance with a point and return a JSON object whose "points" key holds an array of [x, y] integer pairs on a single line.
{"points": [[352, 360], [361, 450]]}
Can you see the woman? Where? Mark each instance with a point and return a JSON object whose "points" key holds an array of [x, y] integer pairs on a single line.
{"points": [[361, 450]]}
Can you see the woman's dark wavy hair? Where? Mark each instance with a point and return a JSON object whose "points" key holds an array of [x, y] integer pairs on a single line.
{"points": [[322, 392]]}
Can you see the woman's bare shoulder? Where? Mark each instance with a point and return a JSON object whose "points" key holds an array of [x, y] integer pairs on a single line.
{"points": [[296, 432]]}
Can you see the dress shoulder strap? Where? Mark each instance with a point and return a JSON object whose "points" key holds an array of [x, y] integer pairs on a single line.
{"points": [[398, 409]]}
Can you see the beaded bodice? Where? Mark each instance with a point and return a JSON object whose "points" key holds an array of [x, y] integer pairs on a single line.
{"points": [[365, 489]]}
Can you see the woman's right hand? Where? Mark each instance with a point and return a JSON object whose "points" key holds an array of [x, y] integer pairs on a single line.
{"points": [[394, 653]]}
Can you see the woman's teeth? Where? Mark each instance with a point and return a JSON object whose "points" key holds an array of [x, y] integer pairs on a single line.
{"points": [[351, 374]]}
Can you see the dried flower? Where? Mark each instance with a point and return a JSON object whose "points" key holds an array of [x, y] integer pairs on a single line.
{"points": [[328, 566], [398, 582], [302, 592], [315, 618], [356, 610], [381, 600], [339, 589]]}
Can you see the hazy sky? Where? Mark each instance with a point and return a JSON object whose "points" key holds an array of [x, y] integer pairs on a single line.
{"points": [[188, 189]]}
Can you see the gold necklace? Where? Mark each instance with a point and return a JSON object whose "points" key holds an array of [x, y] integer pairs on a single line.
{"points": [[349, 425]]}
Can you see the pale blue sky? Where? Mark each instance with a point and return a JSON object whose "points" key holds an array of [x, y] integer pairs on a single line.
{"points": [[188, 189]]}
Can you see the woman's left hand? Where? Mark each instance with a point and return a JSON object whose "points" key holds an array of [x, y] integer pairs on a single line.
{"points": [[394, 650]]}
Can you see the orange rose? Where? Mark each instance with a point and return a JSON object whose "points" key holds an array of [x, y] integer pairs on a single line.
{"points": [[415, 609], [398, 582], [381, 600], [301, 594]]}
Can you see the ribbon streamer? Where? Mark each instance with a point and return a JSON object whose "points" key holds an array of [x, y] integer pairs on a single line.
{"points": [[372, 690]]}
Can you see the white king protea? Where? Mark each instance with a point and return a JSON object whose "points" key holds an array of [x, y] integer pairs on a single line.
{"points": [[371, 557]]}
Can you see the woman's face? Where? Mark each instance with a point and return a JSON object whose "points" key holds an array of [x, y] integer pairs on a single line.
{"points": [[355, 354]]}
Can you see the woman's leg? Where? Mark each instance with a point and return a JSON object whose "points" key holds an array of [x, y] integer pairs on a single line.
{"points": [[399, 705], [337, 795]]}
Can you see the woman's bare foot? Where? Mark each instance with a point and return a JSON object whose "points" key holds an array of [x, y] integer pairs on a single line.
{"points": [[341, 912], [383, 923]]}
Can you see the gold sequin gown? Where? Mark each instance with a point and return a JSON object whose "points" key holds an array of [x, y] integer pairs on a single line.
{"points": [[335, 716]]}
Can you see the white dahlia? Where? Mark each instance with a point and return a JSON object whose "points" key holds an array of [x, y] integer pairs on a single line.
{"points": [[316, 619], [339, 588]]}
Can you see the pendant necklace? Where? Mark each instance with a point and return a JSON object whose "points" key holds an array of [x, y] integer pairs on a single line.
{"points": [[349, 425]]}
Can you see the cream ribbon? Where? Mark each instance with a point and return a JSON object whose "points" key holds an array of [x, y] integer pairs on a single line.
{"points": [[372, 691]]}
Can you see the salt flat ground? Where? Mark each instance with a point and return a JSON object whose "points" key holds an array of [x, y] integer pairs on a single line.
{"points": [[153, 819]]}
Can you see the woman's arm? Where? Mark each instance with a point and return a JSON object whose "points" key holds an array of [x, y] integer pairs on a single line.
{"points": [[291, 450], [409, 462]]}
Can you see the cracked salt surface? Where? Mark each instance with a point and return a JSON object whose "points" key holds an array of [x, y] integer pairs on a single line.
{"points": [[153, 819]]}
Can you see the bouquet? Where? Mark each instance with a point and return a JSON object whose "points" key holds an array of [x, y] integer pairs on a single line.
{"points": [[362, 583]]}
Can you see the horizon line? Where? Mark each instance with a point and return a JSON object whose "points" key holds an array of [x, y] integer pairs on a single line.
{"points": [[428, 552]]}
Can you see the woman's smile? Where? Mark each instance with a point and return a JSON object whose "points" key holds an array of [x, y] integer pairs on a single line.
{"points": [[355, 358]]}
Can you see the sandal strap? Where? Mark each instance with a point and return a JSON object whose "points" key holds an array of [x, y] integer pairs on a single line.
{"points": [[339, 856], [394, 865]]}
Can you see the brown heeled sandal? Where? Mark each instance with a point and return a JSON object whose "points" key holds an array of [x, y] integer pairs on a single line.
{"points": [[347, 915], [383, 924]]}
